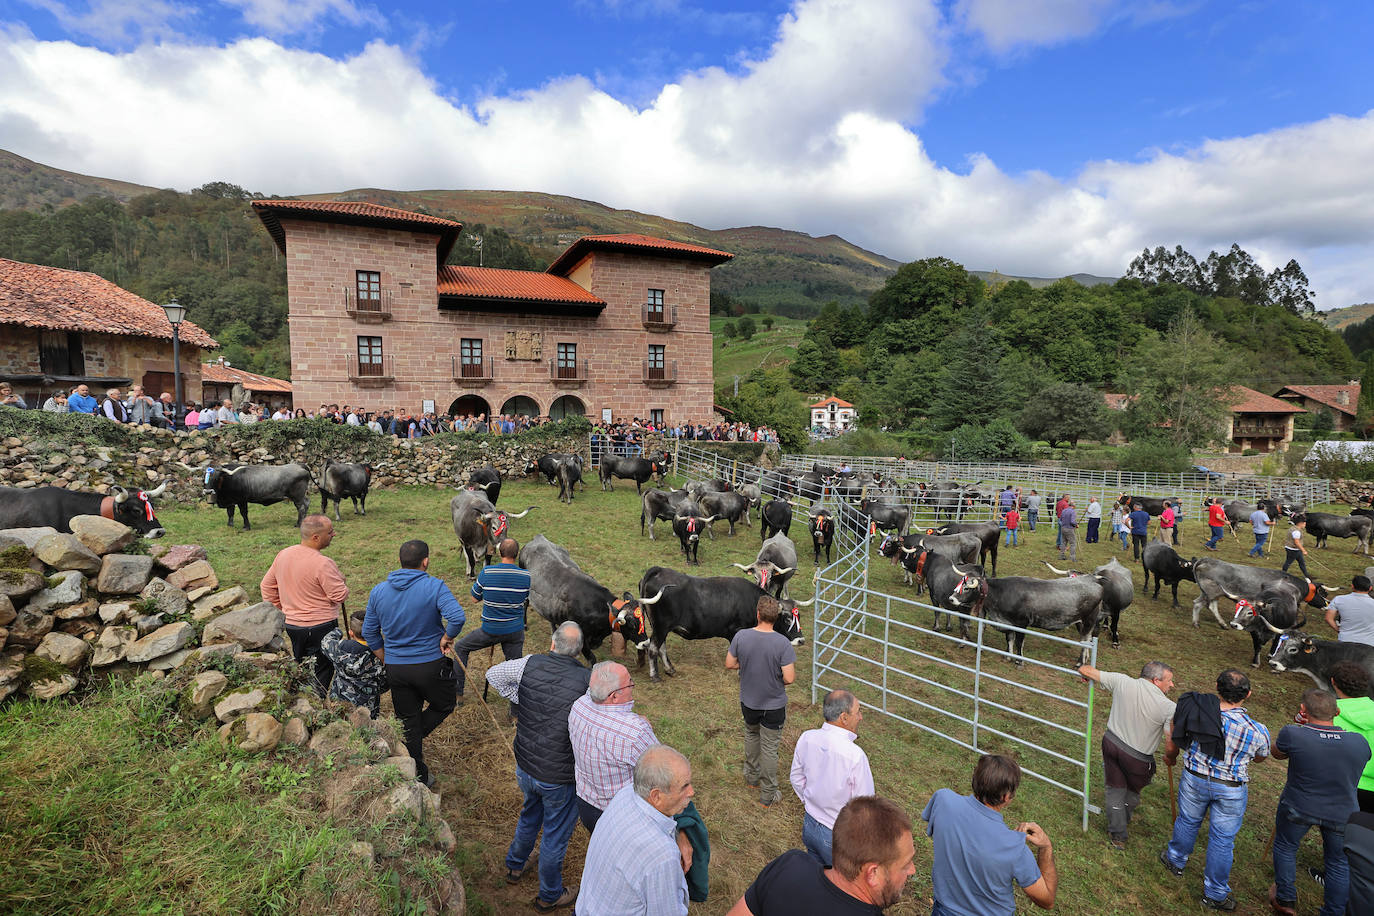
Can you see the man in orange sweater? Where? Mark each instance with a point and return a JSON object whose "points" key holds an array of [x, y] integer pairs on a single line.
{"points": [[309, 589]]}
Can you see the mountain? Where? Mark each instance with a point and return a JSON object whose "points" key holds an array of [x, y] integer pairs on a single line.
{"points": [[993, 277], [29, 185], [1336, 319]]}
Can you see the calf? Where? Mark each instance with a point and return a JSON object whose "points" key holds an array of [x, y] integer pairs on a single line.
{"points": [[775, 516], [1315, 658], [1166, 565], [822, 528], [341, 480]]}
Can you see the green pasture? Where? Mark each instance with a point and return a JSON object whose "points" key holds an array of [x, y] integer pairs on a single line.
{"points": [[766, 348]]}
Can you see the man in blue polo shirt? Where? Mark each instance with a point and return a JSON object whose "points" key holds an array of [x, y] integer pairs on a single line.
{"points": [[80, 400], [1139, 520], [977, 857], [503, 588]]}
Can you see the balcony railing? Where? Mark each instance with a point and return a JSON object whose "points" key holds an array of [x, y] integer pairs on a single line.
{"points": [[660, 375], [368, 307], [376, 370], [659, 317], [569, 373], [473, 373], [1239, 430]]}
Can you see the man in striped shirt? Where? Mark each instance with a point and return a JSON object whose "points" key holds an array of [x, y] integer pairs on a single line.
{"points": [[503, 589], [607, 739]]}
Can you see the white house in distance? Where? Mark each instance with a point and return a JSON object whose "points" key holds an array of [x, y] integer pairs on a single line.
{"points": [[833, 414]]}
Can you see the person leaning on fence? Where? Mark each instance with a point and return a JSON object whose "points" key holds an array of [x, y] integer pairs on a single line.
{"points": [[766, 663], [828, 769], [1324, 766], [977, 857], [875, 857], [1218, 740], [1141, 712]]}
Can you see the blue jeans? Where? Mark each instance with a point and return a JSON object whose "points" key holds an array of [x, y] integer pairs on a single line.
{"points": [[817, 838], [1217, 532], [1032, 516], [1011, 537], [1259, 544], [1224, 808], [1290, 826], [553, 807], [1125, 534]]}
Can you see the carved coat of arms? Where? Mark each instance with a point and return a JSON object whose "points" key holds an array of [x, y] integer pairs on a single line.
{"points": [[525, 345]]}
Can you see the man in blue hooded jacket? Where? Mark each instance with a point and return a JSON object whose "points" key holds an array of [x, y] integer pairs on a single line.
{"points": [[411, 621]]}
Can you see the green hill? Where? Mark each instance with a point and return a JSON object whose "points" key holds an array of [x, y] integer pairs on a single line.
{"points": [[1336, 319], [28, 185]]}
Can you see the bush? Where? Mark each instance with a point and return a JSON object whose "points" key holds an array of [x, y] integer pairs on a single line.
{"points": [[1157, 456], [998, 441], [1250, 452]]}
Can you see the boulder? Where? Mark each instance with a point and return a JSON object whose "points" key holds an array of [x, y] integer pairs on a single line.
{"points": [[6, 610], [405, 764], [116, 612], [52, 689], [195, 594], [85, 628], [102, 535], [162, 641], [227, 648], [64, 551], [295, 733], [148, 623], [67, 651], [239, 703], [444, 838], [335, 738], [212, 604], [18, 584], [360, 717], [11, 670], [29, 628], [112, 645], [88, 608], [170, 599], [261, 732], [124, 574], [171, 660], [175, 556], [250, 627], [404, 801], [29, 536], [204, 690], [70, 588], [193, 575]]}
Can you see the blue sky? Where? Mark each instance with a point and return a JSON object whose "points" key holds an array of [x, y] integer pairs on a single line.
{"points": [[1029, 136]]}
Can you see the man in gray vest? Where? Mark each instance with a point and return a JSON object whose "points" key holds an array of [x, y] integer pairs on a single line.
{"points": [[544, 687]]}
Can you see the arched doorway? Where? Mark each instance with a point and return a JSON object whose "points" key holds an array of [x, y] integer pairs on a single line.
{"points": [[520, 406], [567, 406], [469, 404]]}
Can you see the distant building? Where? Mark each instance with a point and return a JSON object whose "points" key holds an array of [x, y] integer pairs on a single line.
{"points": [[833, 415], [63, 328], [618, 324], [1342, 402], [219, 381], [1258, 421]]}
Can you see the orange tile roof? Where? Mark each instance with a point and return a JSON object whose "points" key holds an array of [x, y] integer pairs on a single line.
{"points": [[357, 213], [633, 241], [74, 300], [1248, 400], [831, 400], [1117, 401], [1328, 395], [515, 285], [216, 374]]}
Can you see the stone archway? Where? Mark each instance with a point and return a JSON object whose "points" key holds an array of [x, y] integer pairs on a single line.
{"points": [[520, 406], [567, 406], [469, 404]]}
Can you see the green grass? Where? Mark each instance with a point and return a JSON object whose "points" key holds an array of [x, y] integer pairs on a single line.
{"points": [[697, 711], [766, 348]]}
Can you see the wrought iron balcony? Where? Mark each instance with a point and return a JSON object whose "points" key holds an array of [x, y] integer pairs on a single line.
{"points": [[660, 375], [569, 373], [659, 317], [473, 373], [374, 307], [371, 370]]}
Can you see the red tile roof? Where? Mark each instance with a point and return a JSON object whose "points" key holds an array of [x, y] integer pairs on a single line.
{"points": [[514, 285], [831, 400], [74, 300], [633, 241], [1117, 401], [216, 374], [1329, 395], [1248, 400], [356, 213]]}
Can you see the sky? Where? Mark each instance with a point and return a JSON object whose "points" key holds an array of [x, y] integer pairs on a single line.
{"points": [[1040, 137]]}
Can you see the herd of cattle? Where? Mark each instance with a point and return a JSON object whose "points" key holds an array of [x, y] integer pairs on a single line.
{"points": [[950, 563]]}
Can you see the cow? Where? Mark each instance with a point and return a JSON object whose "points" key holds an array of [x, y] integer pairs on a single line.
{"points": [[569, 475], [488, 480], [730, 506], [480, 526], [342, 480], [959, 548], [950, 499], [1166, 565], [1154, 505], [751, 492], [812, 486], [1316, 657], [698, 489], [548, 465], [637, 469], [561, 591], [1323, 525], [706, 608], [659, 505], [54, 507], [1273, 612], [231, 485], [688, 523], [1238, 512], [886, 517], [775, 516], [988, 533], [777, 484], [1217, 579], [1043, 604], [942, 577], [1118, 591], [775, 565], [822, 528]]}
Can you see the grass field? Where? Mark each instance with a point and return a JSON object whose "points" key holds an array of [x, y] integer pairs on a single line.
{"points": [[698, 710], [765, 348]]}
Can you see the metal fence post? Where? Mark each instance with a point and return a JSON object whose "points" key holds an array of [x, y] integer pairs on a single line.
{"points": [[977, 683], [1088, 743]]}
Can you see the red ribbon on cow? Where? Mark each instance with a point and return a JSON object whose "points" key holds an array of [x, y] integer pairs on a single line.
{"points": [[691, 523], [147, 506], [501, 526]]}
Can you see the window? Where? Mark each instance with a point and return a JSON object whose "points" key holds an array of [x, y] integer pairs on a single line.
{"points": [[61, 353], [656, 416], [369, 290], [656, 360], [369, 356], [654, 305], [470, 355], [567, 360]]}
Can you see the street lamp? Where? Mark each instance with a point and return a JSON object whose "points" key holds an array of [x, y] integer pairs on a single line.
{"points": [[175, 314]]}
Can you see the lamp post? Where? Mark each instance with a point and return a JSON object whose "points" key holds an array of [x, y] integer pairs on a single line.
{"points": [[175, 314]]}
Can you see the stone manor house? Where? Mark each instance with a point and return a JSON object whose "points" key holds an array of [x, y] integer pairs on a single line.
{"points": [[618, 323]]}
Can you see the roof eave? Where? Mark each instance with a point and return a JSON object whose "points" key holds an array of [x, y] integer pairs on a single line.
{"points": [[579, 249], [458, 303], [271, 220]]}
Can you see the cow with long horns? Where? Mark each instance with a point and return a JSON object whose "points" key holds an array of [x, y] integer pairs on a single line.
{"points": [[480, 526], [55, 507], [688, 524], [775, 565], [822, 527], [236, 485], [488, 480], [1042, 604], [1217, 579]]}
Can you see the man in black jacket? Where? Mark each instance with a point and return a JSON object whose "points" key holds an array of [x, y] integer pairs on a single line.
{"points": [[545, 688]]}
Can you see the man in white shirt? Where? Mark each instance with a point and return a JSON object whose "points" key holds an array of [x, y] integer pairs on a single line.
{"points": [[1352, 615], [828, 769]]}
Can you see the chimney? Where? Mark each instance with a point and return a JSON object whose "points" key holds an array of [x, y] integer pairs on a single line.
{"points": [[1343, 397]]}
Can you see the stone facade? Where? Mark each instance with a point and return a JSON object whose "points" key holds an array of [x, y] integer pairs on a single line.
{"points": [[421, 341]]}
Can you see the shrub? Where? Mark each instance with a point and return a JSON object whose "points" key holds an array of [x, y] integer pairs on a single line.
{"points": [[1157, 456]]}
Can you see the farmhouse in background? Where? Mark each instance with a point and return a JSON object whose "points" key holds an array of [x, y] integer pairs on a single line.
{"points": [[1258, 421], [219, 381], [63, 328], [617, 323], [833, 415], [1342, 402]]}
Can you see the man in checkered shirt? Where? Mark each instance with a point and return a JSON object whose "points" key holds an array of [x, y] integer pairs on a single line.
{"points": [[1215, 787], [607, 738]]}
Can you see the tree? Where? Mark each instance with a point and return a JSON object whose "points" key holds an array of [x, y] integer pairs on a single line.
{"points": [[1065, 413], [997, 441], [729, 330], [923, 286], [1184, 385], [768, 322], [1235, 275], [815, 366], [1288, 288], [971, 388], [747, 327]]}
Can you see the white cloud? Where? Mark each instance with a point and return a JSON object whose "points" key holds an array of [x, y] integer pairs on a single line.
{"points": [[1008, 24], [287, 17], [118, 22], [812, 135]]}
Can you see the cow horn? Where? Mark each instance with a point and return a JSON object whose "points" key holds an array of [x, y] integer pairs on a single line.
{"points": [[161, 488], [710, 519], [1231, 596], [1272, 628], [1057, 571], [655, 598], [121, 494], [232, 471], [958, 570], [486, 487], [911, 550], [1329, 590], [783, 571], [807, 603], [486, 515], [681, 518], [521, 514], [748, 569]]}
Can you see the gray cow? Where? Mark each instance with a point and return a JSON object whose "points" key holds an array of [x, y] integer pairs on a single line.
{"points": [[342, 480], [775, 565], [480, 526]]}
